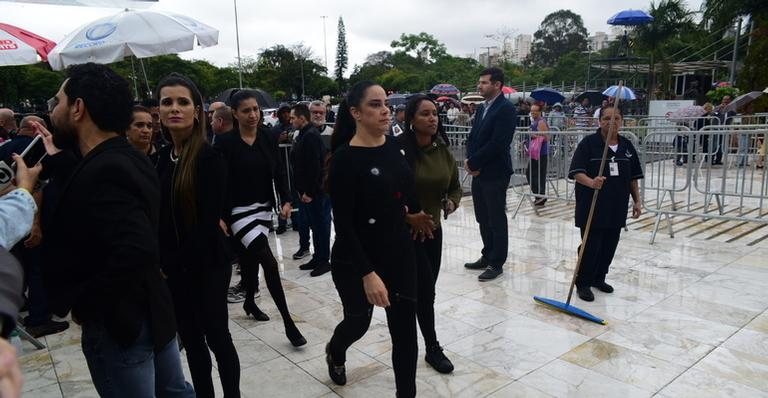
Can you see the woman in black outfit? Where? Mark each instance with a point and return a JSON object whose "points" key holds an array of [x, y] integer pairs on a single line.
{"points": [[192, 181], [372, 261], [253, 163]]}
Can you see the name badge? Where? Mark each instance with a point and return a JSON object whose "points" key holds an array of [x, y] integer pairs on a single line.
{"points": [[613, 168]]}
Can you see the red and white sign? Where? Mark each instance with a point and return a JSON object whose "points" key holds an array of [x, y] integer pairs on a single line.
{"points": [[8, 45]]}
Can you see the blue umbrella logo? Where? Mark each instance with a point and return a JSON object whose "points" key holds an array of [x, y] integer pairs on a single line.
{"points": [[100, 31]]}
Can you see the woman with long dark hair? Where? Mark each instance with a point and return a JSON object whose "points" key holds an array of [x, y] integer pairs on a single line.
{"points": [[437, 188], [372, 261], [192, 181], [253, 163]]}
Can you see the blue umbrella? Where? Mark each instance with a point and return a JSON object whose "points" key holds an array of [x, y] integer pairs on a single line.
{"points": [[630, 18], [625, 94], [548, 95], [444, 89], [397, 99]]}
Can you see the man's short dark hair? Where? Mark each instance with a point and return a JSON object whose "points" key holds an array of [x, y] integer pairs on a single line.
{"points": [[301, 110], [497, 75], [106, 95]]}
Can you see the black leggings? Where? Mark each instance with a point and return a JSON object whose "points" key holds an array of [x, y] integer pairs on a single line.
{"points": [[537, 175], [259, 253], [202, 316], [401, 321], [428, 257]]}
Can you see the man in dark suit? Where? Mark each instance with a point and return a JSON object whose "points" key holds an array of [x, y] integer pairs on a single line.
{"points": [[490, 164], [102, 247]]}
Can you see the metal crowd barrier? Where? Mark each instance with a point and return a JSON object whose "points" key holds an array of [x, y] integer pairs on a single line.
{"points": [[681, 179]]}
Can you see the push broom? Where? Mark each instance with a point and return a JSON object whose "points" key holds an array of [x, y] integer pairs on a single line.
{"points": [[566, 307]]}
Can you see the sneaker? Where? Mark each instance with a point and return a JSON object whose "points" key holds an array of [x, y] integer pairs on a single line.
{"points": [[490, 273], [438, 360], [48, 328], [540, 202], [257, 294], [238, 288], [320, 269], [235, 297], [301, 254]]}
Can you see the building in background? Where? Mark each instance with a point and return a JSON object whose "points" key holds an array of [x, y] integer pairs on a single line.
{"points": [[599, 41], [522, 47]]}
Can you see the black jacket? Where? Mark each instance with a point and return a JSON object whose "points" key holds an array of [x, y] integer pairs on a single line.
{"points": [[101, 246], [308, 159], [185, 247], [489, 140]]}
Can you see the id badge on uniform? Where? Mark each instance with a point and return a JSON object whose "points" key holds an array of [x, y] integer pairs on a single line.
{"points": [[613, 168]]}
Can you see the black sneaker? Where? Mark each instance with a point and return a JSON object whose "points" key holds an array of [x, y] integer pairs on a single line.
{"points": [[308, 266], [438, 360], [540, 202], [301, 254], [48, 328], [490, 273], [585, 293], [320, 269], [479, 264], [603, 287], [235, 297]]}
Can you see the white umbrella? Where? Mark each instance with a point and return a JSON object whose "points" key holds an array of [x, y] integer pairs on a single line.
{"points": [[21, 47], [142, 34]]}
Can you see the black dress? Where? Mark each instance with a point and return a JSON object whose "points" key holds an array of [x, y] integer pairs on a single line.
{"points": [[370, 189]]}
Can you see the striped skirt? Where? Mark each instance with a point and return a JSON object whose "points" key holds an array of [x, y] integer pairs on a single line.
{"points": [[248, 222]]}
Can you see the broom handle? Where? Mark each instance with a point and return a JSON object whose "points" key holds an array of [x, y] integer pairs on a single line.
{"points": [[594, 202]]}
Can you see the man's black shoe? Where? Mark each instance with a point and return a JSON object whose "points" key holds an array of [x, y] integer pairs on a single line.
{"points": [[603, 287], [301, 254], [308, 266], [320, 269], [50, 327], [479, 264], [280, 230], [585, 293], [490, 273]]}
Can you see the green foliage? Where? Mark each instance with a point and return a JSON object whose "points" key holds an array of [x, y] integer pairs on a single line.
{"points": [[423, 46], [716, 95], [754, 74], [560, 33], [341, 53]]}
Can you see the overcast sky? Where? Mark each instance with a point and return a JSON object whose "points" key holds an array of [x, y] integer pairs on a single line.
{"points": [[370, 26]]}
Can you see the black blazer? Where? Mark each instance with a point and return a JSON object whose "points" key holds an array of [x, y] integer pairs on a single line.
{"points": [[489, 140], [308, 160], [101, 246]]}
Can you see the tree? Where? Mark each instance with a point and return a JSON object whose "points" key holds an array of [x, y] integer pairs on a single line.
{"points": [[423, 46], [560, 32], [341, 53], [670, 20]]}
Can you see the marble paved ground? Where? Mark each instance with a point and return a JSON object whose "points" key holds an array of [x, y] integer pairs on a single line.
{"points": [[688, 319]]}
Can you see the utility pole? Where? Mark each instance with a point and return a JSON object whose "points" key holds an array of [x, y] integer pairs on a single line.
{"points": [[237, 38], [735, 52], [325, 44]]}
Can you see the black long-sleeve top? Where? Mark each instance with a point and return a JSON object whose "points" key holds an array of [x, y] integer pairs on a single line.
{"points": [[370, 189], [252, 169], [307, 158], [202, 244]]}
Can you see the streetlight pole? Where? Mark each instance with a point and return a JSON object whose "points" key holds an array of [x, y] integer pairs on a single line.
{"points": [[325, 44], [589, 63], [237, 38]]}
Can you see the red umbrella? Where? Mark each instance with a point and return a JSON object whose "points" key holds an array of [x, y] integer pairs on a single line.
{"points": [[447, 99], [508, 90], [21, 47]]}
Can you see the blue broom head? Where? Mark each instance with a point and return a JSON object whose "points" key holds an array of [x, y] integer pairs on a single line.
{"points": [[569, 309]]}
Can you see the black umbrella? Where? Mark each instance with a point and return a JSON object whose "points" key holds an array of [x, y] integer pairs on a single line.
{"points": [[595, 97], [262, 97]]}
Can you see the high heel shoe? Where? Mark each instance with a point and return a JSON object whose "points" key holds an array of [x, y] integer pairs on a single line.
{"points": [[251, 309], [295, 337], [338, 373]]}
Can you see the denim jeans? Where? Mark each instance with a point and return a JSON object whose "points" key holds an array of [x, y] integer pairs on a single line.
{"points": [[135, 371], [318, 213]]}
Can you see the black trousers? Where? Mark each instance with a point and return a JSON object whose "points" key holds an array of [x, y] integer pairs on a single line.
{"points": [[490, 201], [428, 257], [537, 175], [598, 255], [401, 320], [202, 316], [259, 253]]}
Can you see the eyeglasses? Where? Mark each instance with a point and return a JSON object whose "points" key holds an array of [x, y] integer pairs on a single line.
{"points": [[52, 102]]}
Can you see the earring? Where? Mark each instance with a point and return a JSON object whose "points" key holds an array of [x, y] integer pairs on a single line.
{"points": [[410, 126]]}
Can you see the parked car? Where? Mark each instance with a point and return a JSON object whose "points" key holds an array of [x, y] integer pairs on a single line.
{"points": [[270, 119]]}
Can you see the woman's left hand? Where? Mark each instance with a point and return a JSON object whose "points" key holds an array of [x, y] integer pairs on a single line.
{"points": [[286, 211], [637, 209]]}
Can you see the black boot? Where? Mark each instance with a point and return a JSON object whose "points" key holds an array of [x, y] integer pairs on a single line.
{"points": [[438, 360], [603, 287], [252, 309], [338, 373], [585, 293]]}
